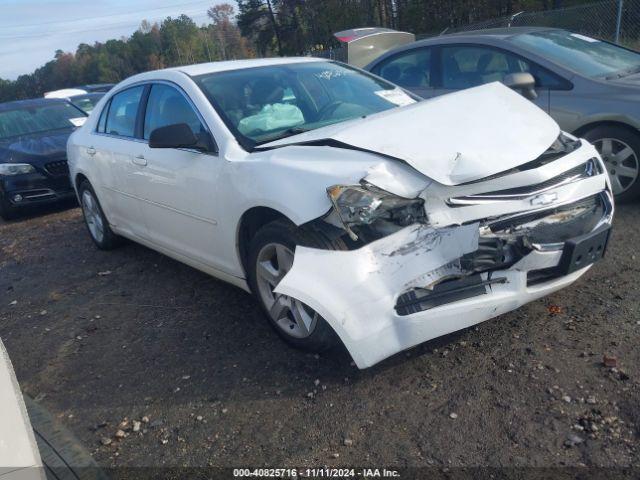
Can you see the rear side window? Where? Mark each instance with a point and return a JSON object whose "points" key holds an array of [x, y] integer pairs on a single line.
{"points": [[167, 106], [410, 69], [121, 117], [103, 118]]}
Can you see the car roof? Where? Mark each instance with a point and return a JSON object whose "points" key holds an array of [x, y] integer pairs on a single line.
{"points": [[32, 102], [505, 32], [88, 95], [97, 87], [212, 67], [489, 36], [474, 35]]}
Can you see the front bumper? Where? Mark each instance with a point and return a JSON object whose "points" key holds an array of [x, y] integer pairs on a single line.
{"points": [[359, 292], [360, 304], [34, 189]]}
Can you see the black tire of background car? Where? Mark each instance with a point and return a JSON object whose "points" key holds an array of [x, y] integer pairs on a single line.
{"points": [[286, 233], [63, 456], [7, 212], [630, 138], [110, 240]]}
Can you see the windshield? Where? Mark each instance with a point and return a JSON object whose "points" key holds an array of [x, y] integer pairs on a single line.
{"points": [[263, 104], [37, 119], [584, 55]]}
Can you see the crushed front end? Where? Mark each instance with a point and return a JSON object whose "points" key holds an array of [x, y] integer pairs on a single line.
{"points": [[454, 256]]}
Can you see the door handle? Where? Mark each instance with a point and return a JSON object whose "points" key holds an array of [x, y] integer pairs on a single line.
{"points": [[91, 151], [140, 160]]}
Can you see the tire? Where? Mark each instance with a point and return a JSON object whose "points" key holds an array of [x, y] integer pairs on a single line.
{"points": [[95, 220], [310, 331], [620, 149]]}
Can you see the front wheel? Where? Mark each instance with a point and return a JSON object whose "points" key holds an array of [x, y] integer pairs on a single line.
{"points": [[620, 151], [270, 258]]}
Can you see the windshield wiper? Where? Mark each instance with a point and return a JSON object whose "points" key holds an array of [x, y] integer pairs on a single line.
{"points": [[624, 73], [284, 134]]}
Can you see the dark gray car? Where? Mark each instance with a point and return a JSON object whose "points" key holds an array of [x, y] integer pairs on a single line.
{"points": [[590, 87]]}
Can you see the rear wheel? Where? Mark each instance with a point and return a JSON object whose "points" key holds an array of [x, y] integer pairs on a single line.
{"points": [[620, 151], [94, 218], [270, 258]]}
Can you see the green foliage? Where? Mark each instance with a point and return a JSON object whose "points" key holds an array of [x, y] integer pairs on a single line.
{"points": [[268, 27], [175, 41], [292, 27]]}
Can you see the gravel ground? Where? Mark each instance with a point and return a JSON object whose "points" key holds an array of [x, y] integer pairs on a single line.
{"points": [[184, 366]]}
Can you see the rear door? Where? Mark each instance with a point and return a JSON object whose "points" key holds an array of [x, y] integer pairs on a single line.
{"points": [[411, 69], [177, 187], [114, 149]]}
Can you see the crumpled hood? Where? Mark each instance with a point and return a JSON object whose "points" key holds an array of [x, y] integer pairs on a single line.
{"points": [[31, 148], [453, 139]]}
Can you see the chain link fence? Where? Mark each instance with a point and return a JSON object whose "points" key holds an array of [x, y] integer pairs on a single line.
{"points": [[617, 21], [614, 20]]}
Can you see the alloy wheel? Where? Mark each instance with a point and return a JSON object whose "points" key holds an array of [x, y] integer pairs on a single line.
{"points": [[620, 161], [92, 216], [290, 315]]}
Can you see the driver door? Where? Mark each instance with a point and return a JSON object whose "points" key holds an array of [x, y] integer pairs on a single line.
{"points": [[177, 186]]}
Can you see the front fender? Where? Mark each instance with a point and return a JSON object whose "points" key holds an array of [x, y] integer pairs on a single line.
{"points": [[293, 180]]}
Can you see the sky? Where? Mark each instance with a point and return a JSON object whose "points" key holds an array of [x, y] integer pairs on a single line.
{"points": [[32, 30]]}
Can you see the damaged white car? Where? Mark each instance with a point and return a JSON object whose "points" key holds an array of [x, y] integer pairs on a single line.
{"points": [[352, 212]]}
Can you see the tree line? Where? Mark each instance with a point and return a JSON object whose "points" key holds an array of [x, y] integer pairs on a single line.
{"points": [[258, 28]]}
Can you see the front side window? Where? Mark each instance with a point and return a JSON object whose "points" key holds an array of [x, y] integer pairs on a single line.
{"points": [[263, 104], [39, 119], [121, 117], [584, 55], [410, 69], [470, 66], [167, 106]]}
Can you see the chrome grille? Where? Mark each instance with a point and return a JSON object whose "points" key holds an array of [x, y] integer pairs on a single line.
{"points": [[588, 169]]}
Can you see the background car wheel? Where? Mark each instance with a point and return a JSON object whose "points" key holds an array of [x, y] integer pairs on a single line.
{"points": [[270, 258], [620, 150], [94, 218]]}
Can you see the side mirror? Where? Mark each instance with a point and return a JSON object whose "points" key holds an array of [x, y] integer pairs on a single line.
{"points": [[523, 82], [179, 135]]}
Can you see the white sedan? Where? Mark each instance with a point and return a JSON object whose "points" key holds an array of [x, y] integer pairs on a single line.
{"points": [[352, 212]]}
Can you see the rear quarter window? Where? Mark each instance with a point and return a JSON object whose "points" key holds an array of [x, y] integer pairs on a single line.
{"points": [[121, 117]]}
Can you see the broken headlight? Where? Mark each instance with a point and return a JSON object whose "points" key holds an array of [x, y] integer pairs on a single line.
{"points": [[366, 204]]}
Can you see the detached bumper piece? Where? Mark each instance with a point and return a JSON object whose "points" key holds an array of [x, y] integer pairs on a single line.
{"points": [[421, 299]]}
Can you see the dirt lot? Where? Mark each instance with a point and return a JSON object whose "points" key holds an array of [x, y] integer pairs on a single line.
{"points": [[100, 337]]}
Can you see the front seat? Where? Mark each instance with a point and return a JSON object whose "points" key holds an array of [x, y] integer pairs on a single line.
{"points": [[266, 91]]}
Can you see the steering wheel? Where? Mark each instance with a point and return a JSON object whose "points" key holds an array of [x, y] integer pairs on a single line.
{"points": [[328, 109]]}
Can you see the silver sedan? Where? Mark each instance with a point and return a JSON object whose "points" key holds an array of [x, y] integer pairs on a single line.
{"points": [[590, 87]]}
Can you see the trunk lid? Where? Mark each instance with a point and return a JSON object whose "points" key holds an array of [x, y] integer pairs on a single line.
{"points": [[452, 139]]}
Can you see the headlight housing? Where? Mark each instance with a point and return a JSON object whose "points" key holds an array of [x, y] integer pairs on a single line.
{"points": [[365, 204], [15, 168]]}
